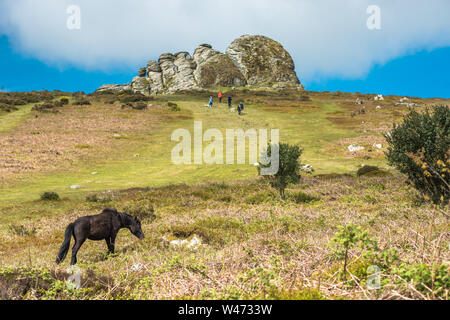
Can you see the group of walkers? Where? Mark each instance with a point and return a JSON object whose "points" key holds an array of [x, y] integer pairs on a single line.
{"points": [[240, 106]]}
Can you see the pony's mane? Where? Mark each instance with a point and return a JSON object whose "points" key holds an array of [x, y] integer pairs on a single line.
{"points": [[127, 218]]}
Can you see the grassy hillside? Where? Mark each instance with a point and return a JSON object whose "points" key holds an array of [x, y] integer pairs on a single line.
{"points": [[254, 245]]}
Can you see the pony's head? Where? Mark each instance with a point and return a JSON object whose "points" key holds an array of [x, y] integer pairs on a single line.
{"points": [[134, 225]]}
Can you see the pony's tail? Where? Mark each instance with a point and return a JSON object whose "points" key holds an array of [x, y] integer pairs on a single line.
{"points": [[65, 245]]}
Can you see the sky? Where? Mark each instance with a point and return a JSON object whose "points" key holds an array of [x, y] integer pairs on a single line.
{"points": [[376, 46]]}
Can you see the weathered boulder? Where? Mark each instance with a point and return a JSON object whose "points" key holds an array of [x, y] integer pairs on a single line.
{"points": [[182, 75], [263, 61], [139, 84], [203, 53], [142, 72], [154, 75], [114, 87], [166, 57], [219, 70], [153, 66]]}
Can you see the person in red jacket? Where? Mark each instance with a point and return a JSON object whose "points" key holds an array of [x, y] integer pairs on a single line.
{"points": [[220, 95]]}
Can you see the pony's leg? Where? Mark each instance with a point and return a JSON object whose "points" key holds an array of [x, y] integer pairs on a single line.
{"points": [[110, 245], [113, 242], [75, 248]]}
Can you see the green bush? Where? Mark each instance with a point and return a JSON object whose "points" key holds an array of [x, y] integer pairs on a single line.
{"points": [[48, 107], [420, 148], [425, 278], [81, 102], [64, 101], [7, 108], [50, 196], [289, 166]]}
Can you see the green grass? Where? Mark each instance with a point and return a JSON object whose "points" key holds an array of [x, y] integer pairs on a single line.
{"points": [[10, 120], [153, 167]]}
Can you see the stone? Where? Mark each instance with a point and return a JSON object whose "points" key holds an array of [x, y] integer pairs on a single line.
{"points": [[182, 76], [307, 168], [142, 72], [139, 85], [154, 76], [377, 145], [114, 88], [193, 243], [354, 148], [153, 66], [166, 57], [263, 61], [137, 267], [218, 70]]}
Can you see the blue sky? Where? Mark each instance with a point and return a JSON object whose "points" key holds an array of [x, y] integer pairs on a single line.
{"points": [[329, 41]]}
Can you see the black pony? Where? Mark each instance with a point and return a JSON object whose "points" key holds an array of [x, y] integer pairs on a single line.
{"points": [[105, 226]]}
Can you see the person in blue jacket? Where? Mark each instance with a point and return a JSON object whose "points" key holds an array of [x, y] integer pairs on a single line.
{"points": [[211, 100]]}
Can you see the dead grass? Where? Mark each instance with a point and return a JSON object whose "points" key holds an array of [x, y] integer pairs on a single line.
{"points": [[250, 250], [49, 142]]}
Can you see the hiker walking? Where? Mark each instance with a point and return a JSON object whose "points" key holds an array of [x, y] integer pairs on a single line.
{"points": [[211, 100], [229, 101], [240, 108], [149, 89], [220, 95]]}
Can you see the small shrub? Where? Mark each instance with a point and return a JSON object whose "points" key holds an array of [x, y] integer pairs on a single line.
{"points": [[346, 238], [81, 102], [50, 196], [171, 104], [47, 107], [64, 101], [7, 108], [289, 166], [425, 278]]}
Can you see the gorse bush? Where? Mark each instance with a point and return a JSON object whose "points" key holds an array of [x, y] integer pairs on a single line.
{"points": [[420, 148]]}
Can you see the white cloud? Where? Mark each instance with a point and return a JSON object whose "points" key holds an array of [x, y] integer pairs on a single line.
{"points": [[326, 38]]}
